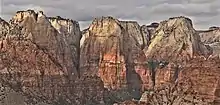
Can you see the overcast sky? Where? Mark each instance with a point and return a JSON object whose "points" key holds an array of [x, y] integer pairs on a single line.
{"points": [[204, 13]]}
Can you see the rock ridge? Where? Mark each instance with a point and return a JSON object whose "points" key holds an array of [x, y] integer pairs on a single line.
{"points": [[49, 60]]}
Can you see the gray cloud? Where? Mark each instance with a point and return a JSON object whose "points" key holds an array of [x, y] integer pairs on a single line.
{"points": [[204, 13]]}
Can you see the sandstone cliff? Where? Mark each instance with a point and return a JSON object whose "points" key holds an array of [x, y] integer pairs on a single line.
{"points": [[170, 53], [211, 37], [46, 60], [174, 37], [85, 35], [113, 52], [134, 30], [39, 59]]}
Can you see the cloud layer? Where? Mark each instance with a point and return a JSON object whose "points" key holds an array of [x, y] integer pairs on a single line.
{"points": [[204, 13]]}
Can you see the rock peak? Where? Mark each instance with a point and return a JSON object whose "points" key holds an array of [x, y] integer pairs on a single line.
{"points": [[214, 28], [176, 35], [21, 15], [104, 18], [180, 19], [29, 11], [63, 25], [133, 22], [153, 25], [59, 18], [104, 26], [40, 14]]}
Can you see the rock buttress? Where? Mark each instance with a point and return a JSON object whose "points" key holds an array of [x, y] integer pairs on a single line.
{"points": [[40, 63], [211, 38], [175, 37], [114, 55]]}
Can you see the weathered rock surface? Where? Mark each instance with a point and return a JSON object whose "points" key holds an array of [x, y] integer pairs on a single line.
{"points": [[46, 61], [175, 37], [114, 54], [211, 37], [134, 30], [85, 35], [4, 28], [40, 61], [203, 76], [38, 28], [175, 43], [149, 31]]}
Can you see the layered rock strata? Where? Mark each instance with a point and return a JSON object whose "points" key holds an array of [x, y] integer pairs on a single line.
{"points": [[211, 38], [39, 59], [114, 54]]}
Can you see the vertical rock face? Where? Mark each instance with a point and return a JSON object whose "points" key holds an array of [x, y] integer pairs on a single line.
{"points": [[71, 34], [46, 60], [62, 43], [149, 32], [85, 35], [211, 37], [22, 15], [114, 54], [134, 30], [174, 44], [39, 61], [173, 37]]}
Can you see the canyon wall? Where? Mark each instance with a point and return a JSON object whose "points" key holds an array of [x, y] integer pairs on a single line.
{"points": [[48, 60]]}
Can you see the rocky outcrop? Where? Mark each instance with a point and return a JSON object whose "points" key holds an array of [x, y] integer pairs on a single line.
{"points": [[114, 54], [211, 37], [4, 26], [203, 76], [134, 30], [39, 61], [175, 43], [46, 60], [175, 37], [48, 36], [85, 35], [148, 32]]}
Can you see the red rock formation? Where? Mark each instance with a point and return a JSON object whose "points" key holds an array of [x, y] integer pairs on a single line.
{"points": [[175, 42], [114, 54], [39, 61], [174, 37], [43, 60], [203, 76]]}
